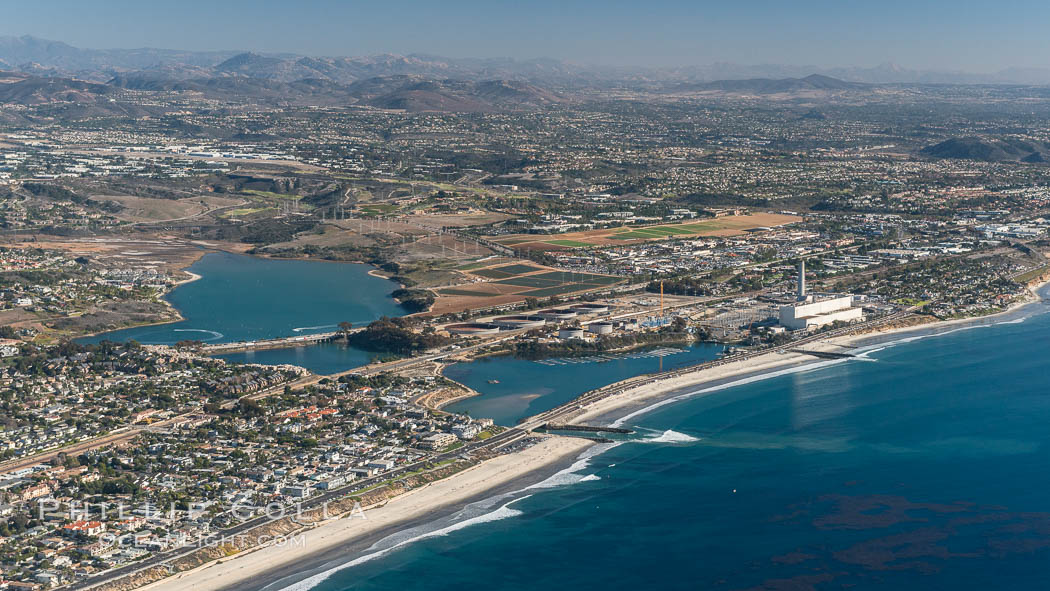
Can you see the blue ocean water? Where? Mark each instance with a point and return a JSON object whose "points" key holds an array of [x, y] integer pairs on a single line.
{"points": [[512, 388], [241, 298], [921, 465]]}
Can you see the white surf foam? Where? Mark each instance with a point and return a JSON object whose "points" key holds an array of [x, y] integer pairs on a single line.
{"points": [[670, 436], [570, 475], [503, 512], [214, 334], [302, 328], [565, 477]]}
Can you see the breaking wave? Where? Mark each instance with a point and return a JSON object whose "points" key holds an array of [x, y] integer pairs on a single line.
{"points": [[503, 512], [476, 513]]}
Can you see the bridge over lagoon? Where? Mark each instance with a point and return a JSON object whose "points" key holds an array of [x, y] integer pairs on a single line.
{"points": [[279, 343]]}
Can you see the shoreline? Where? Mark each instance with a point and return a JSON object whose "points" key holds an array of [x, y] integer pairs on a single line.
{"points": [[163, 298], [334, 541], [636, 401]]}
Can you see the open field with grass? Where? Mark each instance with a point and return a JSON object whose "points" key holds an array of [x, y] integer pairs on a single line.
{"points": [[724, 226], [148, 209], [272, 195], [245, 211], [477, 218]]}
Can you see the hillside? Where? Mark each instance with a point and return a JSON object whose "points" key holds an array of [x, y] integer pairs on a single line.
{"points": [[32, 90], [400, 92], [988, 150], [410, 94]]}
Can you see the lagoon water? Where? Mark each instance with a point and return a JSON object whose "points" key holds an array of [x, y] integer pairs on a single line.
{"points": [[923, 465], [513, 389], [243, 298]]}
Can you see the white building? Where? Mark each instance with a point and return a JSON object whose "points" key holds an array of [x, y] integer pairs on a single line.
{"points": [[812, 314]]}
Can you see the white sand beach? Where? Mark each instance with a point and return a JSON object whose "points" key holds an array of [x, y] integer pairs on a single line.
{"points": [[413, 504]]}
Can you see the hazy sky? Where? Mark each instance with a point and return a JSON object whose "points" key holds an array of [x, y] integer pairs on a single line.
{"points": [[975, 36]]}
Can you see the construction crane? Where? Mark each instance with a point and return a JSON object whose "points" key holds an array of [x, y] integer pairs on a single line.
{"points": [[661, 299]]}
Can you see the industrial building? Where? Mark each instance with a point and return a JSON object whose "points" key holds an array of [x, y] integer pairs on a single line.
{"points": [[813, 311]]}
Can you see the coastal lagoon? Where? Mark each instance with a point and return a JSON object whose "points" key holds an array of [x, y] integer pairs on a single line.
{"points": [[921, 464], [513, 389], [245, 298]]}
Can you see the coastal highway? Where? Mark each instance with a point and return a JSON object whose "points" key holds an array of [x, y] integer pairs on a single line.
{"points": [[493, 443]]}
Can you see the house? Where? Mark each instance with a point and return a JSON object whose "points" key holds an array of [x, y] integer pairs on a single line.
{"points": [[84, 528], [467, 431], [380, 464], [438, 441], [296, 491]]}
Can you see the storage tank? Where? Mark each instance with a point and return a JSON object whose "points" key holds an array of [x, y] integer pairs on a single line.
{"points": [[473, 329], [570, 333], [590, 308], [556, 314], [519, 322], [600, 328]]}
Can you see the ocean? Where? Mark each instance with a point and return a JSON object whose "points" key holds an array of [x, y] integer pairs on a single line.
{"points": [[921, 464]]}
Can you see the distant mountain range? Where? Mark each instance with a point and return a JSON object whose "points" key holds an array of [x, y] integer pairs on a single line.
{"points": [[53, 58], [811, 83], [409, 93]]}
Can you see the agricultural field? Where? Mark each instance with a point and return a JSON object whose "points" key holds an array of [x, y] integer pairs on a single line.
{"points": [[500, 284], [724, 226]]}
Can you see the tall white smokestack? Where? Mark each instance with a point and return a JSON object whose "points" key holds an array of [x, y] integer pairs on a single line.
{"points": [[801, 280]]}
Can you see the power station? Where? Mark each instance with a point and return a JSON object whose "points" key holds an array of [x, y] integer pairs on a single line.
{"points": [[812, 311]]}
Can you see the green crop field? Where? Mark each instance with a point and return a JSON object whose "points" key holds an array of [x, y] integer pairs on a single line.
{"points": [[529, 281], [493, 273], [573, 277], [464, 292]]}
